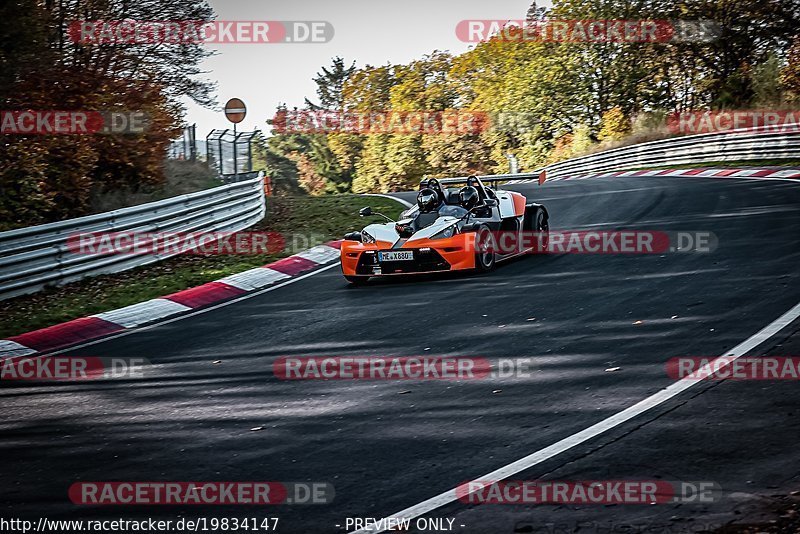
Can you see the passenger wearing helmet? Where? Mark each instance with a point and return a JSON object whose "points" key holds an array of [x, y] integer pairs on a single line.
{"points": [[456, 211], [469, 197]]}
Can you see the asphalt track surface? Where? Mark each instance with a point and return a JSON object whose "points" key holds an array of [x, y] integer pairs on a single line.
{"points": [[387, 445]]}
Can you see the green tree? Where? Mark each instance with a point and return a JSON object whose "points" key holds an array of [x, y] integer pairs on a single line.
{"points": [[330, 83], [766, 83], [371, 169]]}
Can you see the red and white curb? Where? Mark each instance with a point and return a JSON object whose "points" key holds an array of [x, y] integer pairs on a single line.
{"points": [[102, 324], [783, 174]]}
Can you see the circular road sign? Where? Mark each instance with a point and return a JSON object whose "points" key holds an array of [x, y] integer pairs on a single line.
{"points": [[235, 110]]}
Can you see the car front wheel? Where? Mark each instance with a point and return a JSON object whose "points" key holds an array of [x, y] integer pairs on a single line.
{"points": [[484, 250]]}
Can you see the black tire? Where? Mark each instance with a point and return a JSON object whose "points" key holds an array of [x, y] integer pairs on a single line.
{"points": [[542, 225], [537, 220], [484, 250], [357, 280]]}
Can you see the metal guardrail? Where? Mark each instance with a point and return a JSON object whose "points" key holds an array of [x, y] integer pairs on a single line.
{"points": [[240, 177], [38, 256], [734, 145]]}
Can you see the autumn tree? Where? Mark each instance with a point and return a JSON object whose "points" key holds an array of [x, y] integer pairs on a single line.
{"points": [[49, 177], [790, 74], [614, 125]]}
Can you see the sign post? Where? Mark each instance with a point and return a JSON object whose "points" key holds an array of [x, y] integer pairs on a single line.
{"points": [[235, 111], [513, 164]]}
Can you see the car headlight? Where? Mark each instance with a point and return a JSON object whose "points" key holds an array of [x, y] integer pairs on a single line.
{"points": [[450, 231], [366, 237]]}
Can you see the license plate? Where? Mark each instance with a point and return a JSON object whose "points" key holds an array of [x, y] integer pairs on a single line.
{"points": [[397, 255]]}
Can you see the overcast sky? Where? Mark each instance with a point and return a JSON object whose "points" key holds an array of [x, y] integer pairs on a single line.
{"points": [[368, 31]]}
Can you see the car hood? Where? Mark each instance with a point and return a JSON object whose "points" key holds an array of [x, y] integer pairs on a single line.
{"points": [[429, 231], [387, 233]]}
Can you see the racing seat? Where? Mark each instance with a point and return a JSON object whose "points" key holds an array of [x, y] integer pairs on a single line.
{"points": [[452, 198], [434, 184]]}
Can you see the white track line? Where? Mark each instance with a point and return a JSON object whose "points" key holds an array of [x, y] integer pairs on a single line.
{"points": [[599, 428]]}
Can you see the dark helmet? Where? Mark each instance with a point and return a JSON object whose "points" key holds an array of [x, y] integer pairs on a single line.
{"points": [[468, 197], [427, 200], [434, 184], [473, 181], [423, 184]]}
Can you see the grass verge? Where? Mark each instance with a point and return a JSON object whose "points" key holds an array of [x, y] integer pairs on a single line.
{"points": [[313, 220]]}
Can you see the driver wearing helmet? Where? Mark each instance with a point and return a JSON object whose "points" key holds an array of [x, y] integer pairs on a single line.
{"points": [[428, 204], [427, 200], [434, 184]]}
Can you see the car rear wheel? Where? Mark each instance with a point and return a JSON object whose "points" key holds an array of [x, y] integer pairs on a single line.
{"points": [[542, 227], [537, 221], [484, 250]]}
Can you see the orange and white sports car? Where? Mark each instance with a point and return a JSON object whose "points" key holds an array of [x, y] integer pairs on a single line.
{"points": [[449, 229]]}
